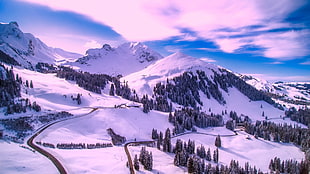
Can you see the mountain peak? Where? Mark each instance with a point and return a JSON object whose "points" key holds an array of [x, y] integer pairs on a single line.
{"points": [[107, 47], [14, 23], [124, 59], [180, 54]]}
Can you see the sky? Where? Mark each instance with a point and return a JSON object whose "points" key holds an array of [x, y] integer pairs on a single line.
{"points": [[263, 38]]}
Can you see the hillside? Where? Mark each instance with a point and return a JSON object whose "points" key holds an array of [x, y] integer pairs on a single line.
{"points": [[289, 94], [216, 87]]}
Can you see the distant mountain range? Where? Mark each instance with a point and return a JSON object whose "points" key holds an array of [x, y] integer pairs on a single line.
{"points": [[288, 93]]}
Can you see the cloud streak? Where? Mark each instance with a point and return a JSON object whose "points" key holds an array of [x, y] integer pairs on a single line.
{"points": [[230, 24]]}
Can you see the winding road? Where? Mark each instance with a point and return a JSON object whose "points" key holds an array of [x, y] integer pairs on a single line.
{"points": [[56, 162]]}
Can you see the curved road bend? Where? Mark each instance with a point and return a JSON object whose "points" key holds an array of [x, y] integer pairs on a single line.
{"points": [[56, 162], [131, 168]]}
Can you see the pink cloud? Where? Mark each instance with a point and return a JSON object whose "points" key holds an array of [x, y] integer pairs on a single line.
{"points": [[145, 20]]}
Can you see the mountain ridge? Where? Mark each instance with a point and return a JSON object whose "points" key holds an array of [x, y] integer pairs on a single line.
{"points": [[28, 50], [122, 60]]}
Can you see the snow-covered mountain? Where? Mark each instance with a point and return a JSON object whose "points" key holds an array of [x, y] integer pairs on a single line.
{"points": [[213, 86], [259, 84], [28, 50], [124, 59], [171, 66], [288, 93]]}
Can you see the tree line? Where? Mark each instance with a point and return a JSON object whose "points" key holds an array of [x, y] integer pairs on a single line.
{"points": [[24, 125], [10, 95], [75, 145], [186, 118], [302, 115], [197, 159]]}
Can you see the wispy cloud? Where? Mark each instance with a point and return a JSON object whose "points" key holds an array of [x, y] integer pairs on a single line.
{"points": [[230, 24], [305, 63], [206, 59], [92, 44], [276, 63]]}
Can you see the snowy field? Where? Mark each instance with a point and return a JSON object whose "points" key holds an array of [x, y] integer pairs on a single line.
{"points": [[133, 123], [18, 160]]}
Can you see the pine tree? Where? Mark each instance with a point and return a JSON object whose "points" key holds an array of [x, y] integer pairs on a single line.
{"points": [[136, 163], [112, 90], [218, 142], [167, 141], [190, 165], [208, 156], [31, 84], [154, 134], [176, 160], [78, 99], [216, 155], [158, 144]]}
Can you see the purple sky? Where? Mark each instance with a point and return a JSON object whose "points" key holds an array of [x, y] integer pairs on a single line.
{"points": [[270, 39]]}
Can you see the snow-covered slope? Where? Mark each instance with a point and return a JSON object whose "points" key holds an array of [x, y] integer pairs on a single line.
{"points": [[124, 59], [28, 50], [289, 93], [176, 64], [171, 66], [259, 84], [294, 90]]}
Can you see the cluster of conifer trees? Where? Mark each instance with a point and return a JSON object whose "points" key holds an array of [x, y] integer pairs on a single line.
{"points": [[280, 132], [145, 158], [184, 90], [199, 160], [186, 118], [7, 59], [21, 126], [164, 141], [45, 68], [289, 166], [90, 82], [10, 96], [301, 115]]}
